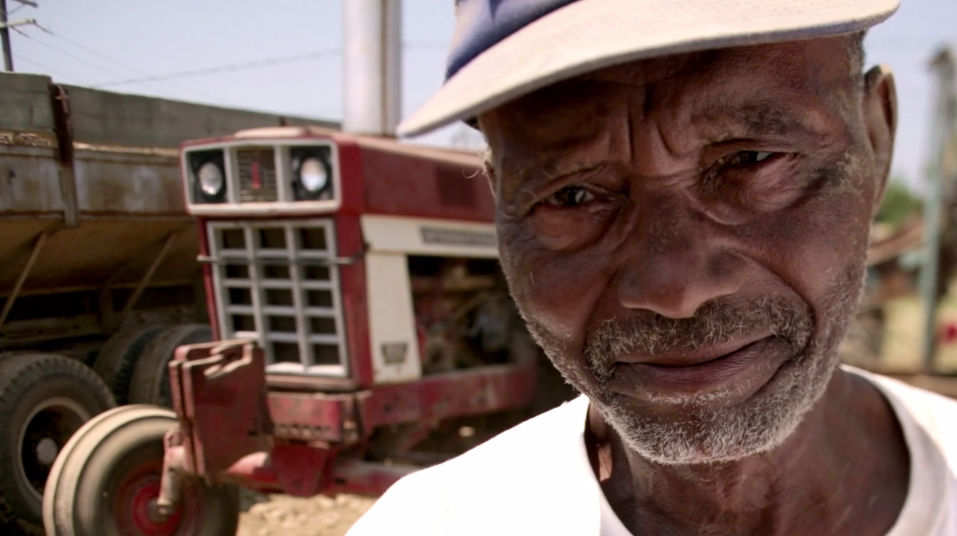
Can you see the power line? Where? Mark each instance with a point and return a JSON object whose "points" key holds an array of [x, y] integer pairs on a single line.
{"points": [[121, 64], [269, 62], [88, 50], [77, 58], [44, 68]]}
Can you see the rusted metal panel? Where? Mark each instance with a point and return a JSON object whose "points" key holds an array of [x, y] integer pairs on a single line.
{"points": [[435, 183], [99, 251], [16, 237], [473, 391], [29, 178], [111, 182], [26, 333], [218, 394], [302, 470], [313, 417]]}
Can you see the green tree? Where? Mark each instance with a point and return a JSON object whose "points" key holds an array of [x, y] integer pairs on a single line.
{"points": [[899, 203]]}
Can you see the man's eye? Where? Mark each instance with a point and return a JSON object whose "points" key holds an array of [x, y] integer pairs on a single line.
{"points": [[570, 196], [747, 158]]}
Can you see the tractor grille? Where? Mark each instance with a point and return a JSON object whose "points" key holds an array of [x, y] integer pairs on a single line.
{"points": [[274, 283], [257, 174]]}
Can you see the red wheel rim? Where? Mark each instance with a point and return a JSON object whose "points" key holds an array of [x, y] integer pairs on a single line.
{"points": [[134, 505], [144, 510]]}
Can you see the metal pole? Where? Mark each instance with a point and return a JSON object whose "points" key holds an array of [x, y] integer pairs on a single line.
{"points": [[5, 38], [392, 70], [147, 277], [37, 248], [943, 128], [373, 53]]}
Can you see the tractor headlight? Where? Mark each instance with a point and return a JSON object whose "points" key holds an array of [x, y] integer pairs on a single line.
{"points": [[312, 173], [208, 179], [211, 179]]}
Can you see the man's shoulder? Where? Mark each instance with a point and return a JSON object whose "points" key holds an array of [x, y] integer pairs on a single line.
{"points": [[487, 482], [934, 414]]}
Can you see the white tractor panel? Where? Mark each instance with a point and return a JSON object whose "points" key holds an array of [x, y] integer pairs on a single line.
{"points": [[421, 236], [395, 348]]}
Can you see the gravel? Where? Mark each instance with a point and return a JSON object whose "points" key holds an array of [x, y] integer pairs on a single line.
{"points": [[281, 515]]}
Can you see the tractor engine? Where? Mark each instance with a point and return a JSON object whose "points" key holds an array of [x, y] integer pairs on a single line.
{"points": [[464, 315]]}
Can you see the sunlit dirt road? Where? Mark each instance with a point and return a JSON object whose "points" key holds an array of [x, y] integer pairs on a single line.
{"points": [[279, 515]]}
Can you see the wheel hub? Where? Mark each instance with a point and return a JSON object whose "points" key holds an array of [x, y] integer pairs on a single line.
{"points": [[46, 451], [44, 432], [146, 515]]}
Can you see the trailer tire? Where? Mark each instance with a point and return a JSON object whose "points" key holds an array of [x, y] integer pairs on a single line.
{"points": [[150, 382], [117, 359], [107, 478], [44, 399]]}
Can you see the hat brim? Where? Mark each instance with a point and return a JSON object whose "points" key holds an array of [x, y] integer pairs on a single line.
{"points": [[592, 34]]}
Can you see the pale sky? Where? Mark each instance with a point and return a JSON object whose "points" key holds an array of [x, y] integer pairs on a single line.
{"points": [[297, 47]]}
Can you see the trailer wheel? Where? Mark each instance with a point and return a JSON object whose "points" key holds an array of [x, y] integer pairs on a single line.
{"points": [[44, 399], [118, 357], [150, 383], [107, 481]]}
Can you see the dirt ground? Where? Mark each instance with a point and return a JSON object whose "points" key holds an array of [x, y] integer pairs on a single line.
{"points": [[280, 515]]}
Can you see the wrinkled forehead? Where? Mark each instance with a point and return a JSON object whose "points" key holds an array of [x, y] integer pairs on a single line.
{"points": [[805, 78]]}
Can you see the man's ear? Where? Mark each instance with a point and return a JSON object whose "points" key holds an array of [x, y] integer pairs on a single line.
{"points": [[880, 119], [488, 160]]}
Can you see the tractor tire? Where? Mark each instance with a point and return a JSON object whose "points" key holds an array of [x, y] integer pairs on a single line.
{"points": [[44, 400], [107, 479], [117, 359], [150, 382]]}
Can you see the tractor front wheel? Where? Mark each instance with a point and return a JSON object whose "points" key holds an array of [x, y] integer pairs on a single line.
{"points": [[107, 480]]}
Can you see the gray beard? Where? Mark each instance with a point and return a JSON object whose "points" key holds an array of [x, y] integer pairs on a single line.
{"points": [[704, 434]]}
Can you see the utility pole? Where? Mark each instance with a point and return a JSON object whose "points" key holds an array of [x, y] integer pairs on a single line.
{"points": [[5, 38], [5, 31], [942, 135]]}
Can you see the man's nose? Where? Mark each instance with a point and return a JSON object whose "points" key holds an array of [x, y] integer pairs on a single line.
{"points": [[673, 270]]}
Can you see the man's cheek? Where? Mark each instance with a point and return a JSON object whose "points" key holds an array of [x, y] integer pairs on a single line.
{"points": [[559, 292], [811, 249]]}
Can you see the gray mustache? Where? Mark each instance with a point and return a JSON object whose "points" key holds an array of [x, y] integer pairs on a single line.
{"points": [[713, 323]]}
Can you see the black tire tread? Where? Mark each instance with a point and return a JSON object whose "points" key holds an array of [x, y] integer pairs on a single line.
{"points": [[150, 382], [17, 374], [117, 358]]}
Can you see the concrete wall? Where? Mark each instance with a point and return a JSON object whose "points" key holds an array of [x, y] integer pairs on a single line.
{"points": [[102, 117], [25, 103]]}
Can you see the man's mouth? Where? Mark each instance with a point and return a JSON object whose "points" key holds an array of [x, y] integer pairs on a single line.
{"points": [[743, 368]]}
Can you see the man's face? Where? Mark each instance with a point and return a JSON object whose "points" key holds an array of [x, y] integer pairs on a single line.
{"points": [[686, 238]]}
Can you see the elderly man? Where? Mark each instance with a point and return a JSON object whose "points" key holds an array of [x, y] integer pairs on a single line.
{"points": [[684, 193]]}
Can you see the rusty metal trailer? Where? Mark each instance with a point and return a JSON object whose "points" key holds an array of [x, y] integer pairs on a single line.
{"points": [[99, 279]]}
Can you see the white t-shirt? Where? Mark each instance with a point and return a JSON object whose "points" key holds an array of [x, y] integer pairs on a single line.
{"points": [[536, 479]]}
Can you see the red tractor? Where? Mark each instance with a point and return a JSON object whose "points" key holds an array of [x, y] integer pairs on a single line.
{"points": [[363, 329]]}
